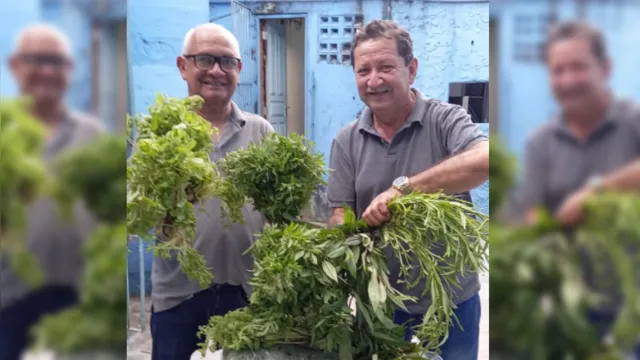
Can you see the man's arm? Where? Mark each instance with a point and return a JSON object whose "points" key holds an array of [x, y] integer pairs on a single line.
{"points": [[459, 173], [341, 189], [467, 168], [626, 178]]}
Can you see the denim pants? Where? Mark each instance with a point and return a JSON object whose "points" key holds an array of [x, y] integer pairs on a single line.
{"points": [[174, 331], [17, 320], [604, 321], [462, 344]]}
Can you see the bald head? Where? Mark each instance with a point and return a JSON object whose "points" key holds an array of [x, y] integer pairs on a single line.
{"points": [[41, 64], [42, 38], [207, 31]]}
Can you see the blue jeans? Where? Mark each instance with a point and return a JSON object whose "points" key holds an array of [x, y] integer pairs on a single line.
{"points": [[604, 321], [17, 319], [174, 331], [462, 344]]}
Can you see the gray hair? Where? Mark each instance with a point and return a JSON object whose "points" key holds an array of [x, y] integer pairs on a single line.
{"points": [[213, 27]]}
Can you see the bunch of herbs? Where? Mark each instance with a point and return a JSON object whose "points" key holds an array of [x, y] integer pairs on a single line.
{"points": [[304, 276], [168, 174], [278, 175], [94, 174], [537, 272], [23, 180]]}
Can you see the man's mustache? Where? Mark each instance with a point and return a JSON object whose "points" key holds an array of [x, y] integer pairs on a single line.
{"points": [[574, 91]]}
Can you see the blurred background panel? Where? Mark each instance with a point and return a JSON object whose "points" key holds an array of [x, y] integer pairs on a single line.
{"points": [[97, 30], [518, 32]]}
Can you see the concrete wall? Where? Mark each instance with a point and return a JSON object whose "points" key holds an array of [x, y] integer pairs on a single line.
{"points": [[525, 99]]}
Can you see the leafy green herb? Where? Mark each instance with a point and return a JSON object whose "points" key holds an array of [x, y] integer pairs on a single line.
{"points": [[168, 174], [537, 274], [97, 175], [304, 277], [22, 181], [94, 174], [279, 175], [98, 322], [502, 169]]}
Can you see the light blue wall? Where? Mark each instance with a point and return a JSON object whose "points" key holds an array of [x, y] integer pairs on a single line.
{"points": [[14, 15], [525, 99]]}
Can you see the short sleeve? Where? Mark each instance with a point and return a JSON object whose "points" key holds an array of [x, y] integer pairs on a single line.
{"points": [[341, 178], [459, 132]]}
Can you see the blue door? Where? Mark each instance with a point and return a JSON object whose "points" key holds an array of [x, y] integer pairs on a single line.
{"points": [[244, 28], [276, 76]]}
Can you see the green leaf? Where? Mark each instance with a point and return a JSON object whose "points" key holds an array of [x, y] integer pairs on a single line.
{"points": [[330, 271]]}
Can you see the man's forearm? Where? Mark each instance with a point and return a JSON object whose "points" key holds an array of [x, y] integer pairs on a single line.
{"points": [[626, 178], [460, 173]]}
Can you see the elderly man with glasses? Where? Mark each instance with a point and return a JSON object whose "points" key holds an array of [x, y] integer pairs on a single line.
{"points": [[42, 65], [210, 64]]}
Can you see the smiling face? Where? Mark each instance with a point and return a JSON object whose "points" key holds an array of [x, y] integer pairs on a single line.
{"points": [[215, 85], [578, 77], [42, 66], [383, 80]]}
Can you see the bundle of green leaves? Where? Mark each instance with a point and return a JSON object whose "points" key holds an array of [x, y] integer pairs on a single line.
{"points": [[502, 169], [537, 273], [304, 277], [170, 172], [22, 181], [98, 322], [278, 175], [94, 174]]}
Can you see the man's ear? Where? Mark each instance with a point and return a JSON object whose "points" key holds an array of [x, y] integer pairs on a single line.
{"points": [[180, 63], [413, 70]]}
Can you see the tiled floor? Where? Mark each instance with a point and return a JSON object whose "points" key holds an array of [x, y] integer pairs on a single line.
{"points": [[140, 345]]}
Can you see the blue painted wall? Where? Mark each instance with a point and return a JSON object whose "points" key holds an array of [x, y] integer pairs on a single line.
{"points": [[525, 99], [451, 42], [14, 15]]}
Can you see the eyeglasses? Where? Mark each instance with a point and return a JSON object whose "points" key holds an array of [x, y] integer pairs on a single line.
{"points": [[57, 61], [207, 62]]}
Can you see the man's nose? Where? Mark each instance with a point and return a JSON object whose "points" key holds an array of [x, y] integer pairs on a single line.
{"points": [[216, 70], [374, 80]]}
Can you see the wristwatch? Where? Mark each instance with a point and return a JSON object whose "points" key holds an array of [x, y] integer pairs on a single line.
{"points": [[595, 183], [403, 185]]}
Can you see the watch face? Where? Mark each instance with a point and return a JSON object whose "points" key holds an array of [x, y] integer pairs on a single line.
{"points": [[400, 181]]}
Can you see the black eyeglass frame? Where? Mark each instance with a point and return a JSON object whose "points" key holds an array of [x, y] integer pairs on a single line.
{"points": [[216, 60]]}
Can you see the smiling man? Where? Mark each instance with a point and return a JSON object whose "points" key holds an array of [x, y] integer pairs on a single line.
{"points": [[591, 146], [403, 142], [210, 64], [42, 65]]}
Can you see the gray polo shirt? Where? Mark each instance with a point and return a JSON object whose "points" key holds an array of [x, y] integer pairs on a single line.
{"points": [[223, 248], [57, 244], [364, 165], [557, 164]]}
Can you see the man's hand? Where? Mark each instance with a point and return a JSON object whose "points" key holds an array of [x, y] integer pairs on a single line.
{"points": [[571, 212], [377, 213]]}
